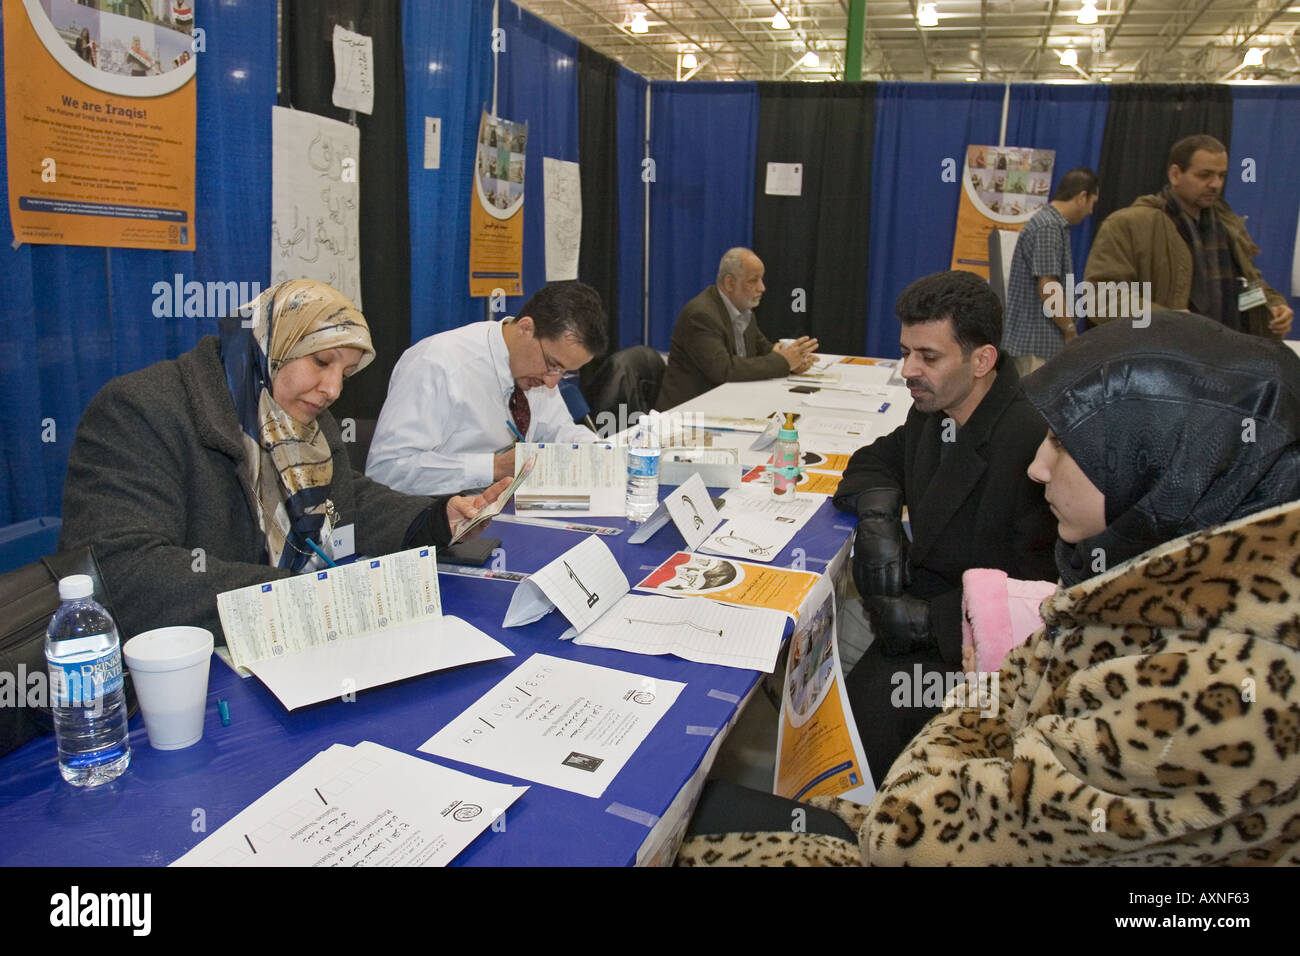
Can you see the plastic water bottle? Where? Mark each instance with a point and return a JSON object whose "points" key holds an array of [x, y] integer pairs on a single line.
{"points": [[643, 470], [86, 693], [785, 455]]}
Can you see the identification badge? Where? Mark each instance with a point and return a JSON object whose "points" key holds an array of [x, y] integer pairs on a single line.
{"points": [[343, 542], [1251, 296]]}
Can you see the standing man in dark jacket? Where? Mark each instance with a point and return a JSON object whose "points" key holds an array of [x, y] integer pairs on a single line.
{"points": [[716, 339], [958, 464], [1191, 247]]}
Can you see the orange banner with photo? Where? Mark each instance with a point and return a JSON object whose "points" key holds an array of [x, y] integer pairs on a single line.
{"points": [[1002, 187], [496, 214], [100, 124]]}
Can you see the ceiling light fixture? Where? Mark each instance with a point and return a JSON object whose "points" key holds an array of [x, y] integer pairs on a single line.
{"points": [[779, 22], [688, 61], [1069, 57], [811, 59], [1088, 14], [928, 15], [1254, 56], [639, 24]]}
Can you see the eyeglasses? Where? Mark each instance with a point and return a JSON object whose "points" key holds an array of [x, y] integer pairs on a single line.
{"points": [[552, 367]]}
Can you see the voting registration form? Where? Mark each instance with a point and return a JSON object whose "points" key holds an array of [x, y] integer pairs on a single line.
{"points": [[562, 723], [359, 806], [353, 627]]}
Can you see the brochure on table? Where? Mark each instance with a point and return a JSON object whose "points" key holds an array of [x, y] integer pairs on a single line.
{"points": [[818, 750], [359, 806], [809, 483], [588, 588], [731, 582], [558, 722], [326, 633], [572, 480]]}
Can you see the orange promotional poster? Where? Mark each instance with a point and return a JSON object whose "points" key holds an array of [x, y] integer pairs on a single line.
{"points": [[496, 214], [822, 461], [732, 582], [813, 482], [1002, 187], [100, 123], [818, 750]]}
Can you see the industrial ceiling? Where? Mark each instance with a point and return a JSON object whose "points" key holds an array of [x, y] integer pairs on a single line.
{"points": [[949, 40]]}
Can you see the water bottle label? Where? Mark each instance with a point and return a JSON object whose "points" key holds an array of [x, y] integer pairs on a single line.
{"points": [[643, 466], [81, 683]]}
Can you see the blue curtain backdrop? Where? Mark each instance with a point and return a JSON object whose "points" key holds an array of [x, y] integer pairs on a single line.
{"points": [[703, 140], [1266, 129], [1070, 120], [72, 317], [447, 48], [538, 85], [913, 211], [631, 207]]}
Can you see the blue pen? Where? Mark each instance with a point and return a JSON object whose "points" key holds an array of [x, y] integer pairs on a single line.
{"points": [[514, 430], [323, 556]]}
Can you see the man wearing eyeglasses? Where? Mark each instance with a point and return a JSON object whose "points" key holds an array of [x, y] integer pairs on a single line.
{"points": [[459, 400]]}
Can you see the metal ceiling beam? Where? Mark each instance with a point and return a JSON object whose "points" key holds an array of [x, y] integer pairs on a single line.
{"points": [[1114, 32], [920, 36], [1188, 25], [1277, 11], [984, 32], [742, 36], [1047, 31], [618, 28]]}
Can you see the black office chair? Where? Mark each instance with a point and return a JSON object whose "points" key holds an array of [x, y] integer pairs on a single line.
{"points": [[630, 378]]}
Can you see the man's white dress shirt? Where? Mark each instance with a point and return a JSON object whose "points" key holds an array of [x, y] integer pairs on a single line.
{"points": [[446, 413]]}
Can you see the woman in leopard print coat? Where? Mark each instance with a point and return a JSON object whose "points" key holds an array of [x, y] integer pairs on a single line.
{"points": [[1155, 718]]}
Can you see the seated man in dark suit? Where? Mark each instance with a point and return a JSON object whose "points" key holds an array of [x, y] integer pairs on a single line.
{"points": [[958, 463], [716, 339]]}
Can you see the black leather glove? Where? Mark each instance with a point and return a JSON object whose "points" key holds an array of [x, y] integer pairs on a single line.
{"points": [[880, 545], [901, 624]]}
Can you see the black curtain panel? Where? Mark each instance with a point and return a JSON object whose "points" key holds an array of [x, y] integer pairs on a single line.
{"points": [[1143, 121], [814, 245], [306, 83], [598, 170]]}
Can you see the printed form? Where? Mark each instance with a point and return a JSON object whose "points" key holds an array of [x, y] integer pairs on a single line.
{"points": [[359, 806], [369, 623], [562, 723]]}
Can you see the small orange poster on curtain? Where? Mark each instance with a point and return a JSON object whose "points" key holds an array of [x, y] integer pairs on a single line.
{"points": [[100, 122], [1002, 188], [496, 215]]}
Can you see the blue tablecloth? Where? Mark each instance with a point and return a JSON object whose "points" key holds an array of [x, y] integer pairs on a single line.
{"points": [[166, 803]]}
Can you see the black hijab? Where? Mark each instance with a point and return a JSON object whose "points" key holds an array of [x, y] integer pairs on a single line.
{"points": [[1182, 425]]}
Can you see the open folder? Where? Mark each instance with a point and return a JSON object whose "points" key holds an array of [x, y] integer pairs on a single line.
{"points": [[588, 587], [333, 632]]}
